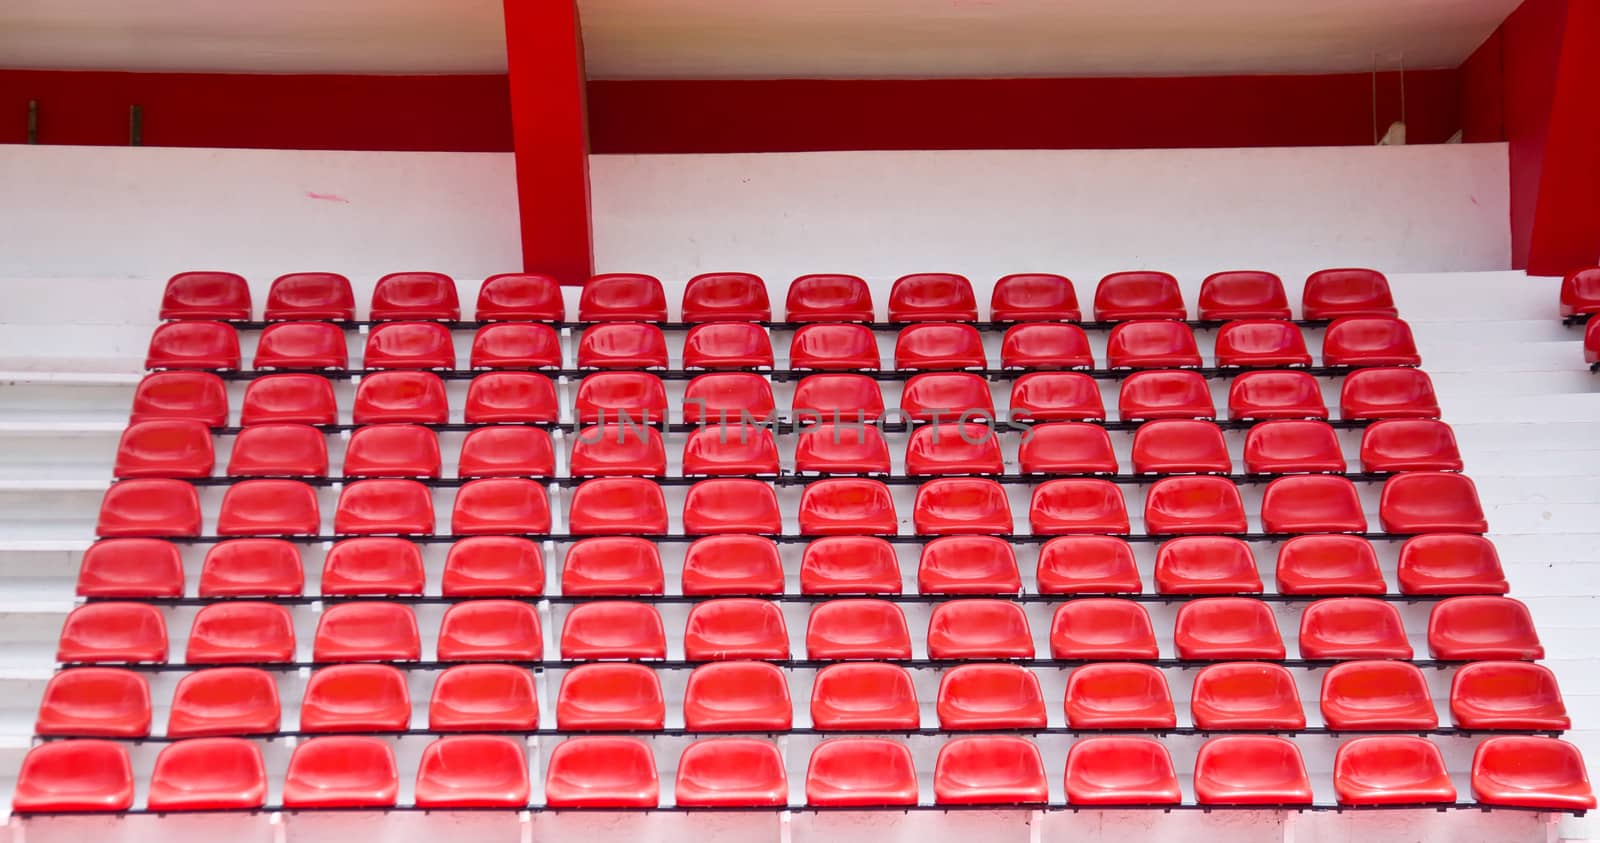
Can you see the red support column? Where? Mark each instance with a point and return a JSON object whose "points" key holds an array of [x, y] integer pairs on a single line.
{"points": [[544, 48]]}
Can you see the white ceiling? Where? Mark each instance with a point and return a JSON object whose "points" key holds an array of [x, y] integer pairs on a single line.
{"points": [[747, 39]]}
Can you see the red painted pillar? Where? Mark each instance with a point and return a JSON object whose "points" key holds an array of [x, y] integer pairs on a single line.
{"points": [[544, 48]]}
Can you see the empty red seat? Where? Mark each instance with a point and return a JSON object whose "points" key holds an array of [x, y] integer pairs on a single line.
{"points": [[295, 399], [1373, 695], [622, 345], [1315, 503], [1067, 448], [1388, 393], [730, 450], [1580, 292], [1121, 771], [206, 295], [728, 398], [961, 505], [512, 397], [1102, 628], [492, 566], [1045, 345], [731, 505], [990, 696], [1246, 695], [491, 630], [861, 772], [1056, 396], [1216, 628], [239, 632], [627, 397], [1191, 505], [392, 450], [727, 345], [622, 297], [131, 568], [195, 396], [726, 296], [1251, 770], [506, 452], [1391, 770], [612, 565], [617, 450], [208, 774], [341, 772], [1275, 395], [847, 506], [828, 298], [1531, 772], [1087, 564], [269, 507], [225, 701], [1431, 502], [625, 505], [1332, 293], [520, 296], [833, 347], [276, 450], [500, 506], [193, 345], [842, 448], [372, 565], [1078, 506], [82, 775], [864, 695], [613, 630], [367, 631], [1113, 695], [149, 507], [946, 396], [1475, 628], [601, 772], [735, 628], [1352, 628], [731, 772], [473, 771], [939, 345], [401, 397], [837, 397], [1138, 295], [1151, 344], [737, 696], [409, 345], [1369, 341], [1331, 564], [356, 698], [932, 297], [1261, 342], [989, 770], [515, 345], [1169, 394], [1180, 446], [302, 345], [1409, 445], [857, 629], [1506, 695], [311, 295], [1450, 563], [732, 564], [968, 565], [100, 702], [1034, 297], [371, 507], [484, 698], [1243, 294], [1206, 565], [849, 565], [415, 295], [1282, 447], [979, 629]]}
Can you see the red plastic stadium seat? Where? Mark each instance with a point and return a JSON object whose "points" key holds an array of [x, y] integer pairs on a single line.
{"points": [[392, 450], [276, 450], [1478, 628], [1431, 502], [409, 345], [968, 565], [1275, 395], [1388, 393], [1243, 294], [401, 397], [131, 568], [208, 774], [341, 772], [512, 397], [861, 772], [195, 396], [847, 506], [513, 345], [507, 452], [732, 564], [737, 696], [932, 297], [1332, 293], [356, 698], [621, 396], [1206, 565], [235, 632], [1151, 344], [731, 505], [1138, 295], [1531, 772], [1409, 445], [731, 772], [1227, 628], [225, 701], [961, 505], [1312, 504], [1112, 695], [833, 347], [1391, 770], [828, 298], [473, 771], [1067, 448], [520, 296], [1580, 292], [946, 396], [727, 345], [101, 702], [372, 565], [1279, 447], [490, 630], [86, 775], [367, 631], [1102, 628], [292, 399], [1180, 446], [149, 507], [302, 345], [1246, 695], [311, 295], [1352, 628], [726, 297], [864, 695], [735, 628], [622, 345], [1087, 564], [849, 565], [1169, 394], [844, 448], [989, 770], [1506, 695], [612, 565], [1330, 564], [1193, 505], [1078, 506], [269, 507], [1045, 345], [1034, 297], [252, 568], [1121, 771], [727, 398], [979, 629], [622, 297], [415, 295], [990, 696], [837, 397], [1261, 342], [613, 630], [625, 505], [939, 345], [1371, 695], [372, 507], [206, 295], [500, 506], [1369, 341], [1251, 770], [601, 772], [1450, 563], [857, 629], [618, 450], [730, 450], [1056, 396], [493, 566], [484, 698], [193, 345]]}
